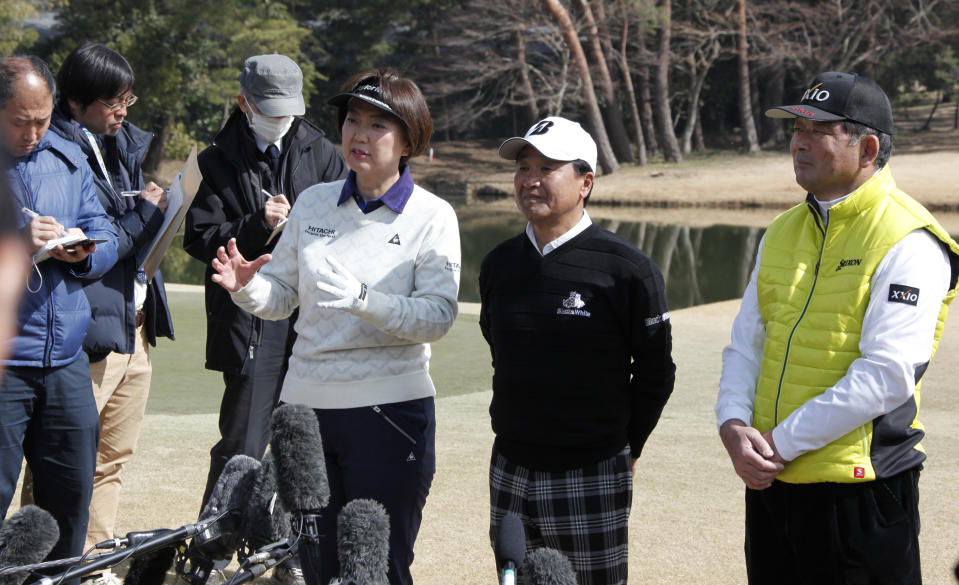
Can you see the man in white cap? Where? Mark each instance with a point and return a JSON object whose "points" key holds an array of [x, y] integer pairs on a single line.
{"points": [[579, 332], [265, 155]]}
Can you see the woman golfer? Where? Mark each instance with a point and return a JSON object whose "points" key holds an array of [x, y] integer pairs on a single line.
{"points": [[373, 263]]}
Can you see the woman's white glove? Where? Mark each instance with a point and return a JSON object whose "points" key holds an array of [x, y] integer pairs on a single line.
{"points": [[348, 293]]}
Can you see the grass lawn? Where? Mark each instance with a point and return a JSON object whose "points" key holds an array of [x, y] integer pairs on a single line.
{"points": [[181, 385]]}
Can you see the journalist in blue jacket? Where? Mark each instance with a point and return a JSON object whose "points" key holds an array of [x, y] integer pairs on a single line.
{"points": [[47, 410]]}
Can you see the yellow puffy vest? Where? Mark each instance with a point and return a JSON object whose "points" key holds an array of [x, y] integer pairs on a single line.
{"points": [[813, 288]]}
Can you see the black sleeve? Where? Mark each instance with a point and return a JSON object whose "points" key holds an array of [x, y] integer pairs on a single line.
{"points": [[330, 160], [209, 226], [652, 371], [137, 227], [484, 302]]}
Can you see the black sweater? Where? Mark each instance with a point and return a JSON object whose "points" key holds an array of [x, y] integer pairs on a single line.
{"points": [[581, 345]]}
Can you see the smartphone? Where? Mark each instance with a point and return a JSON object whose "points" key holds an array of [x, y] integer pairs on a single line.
{"points": [[85, 242]]}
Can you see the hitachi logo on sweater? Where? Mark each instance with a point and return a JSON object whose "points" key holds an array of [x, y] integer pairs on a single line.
{"points": [[573, 305], [848, 262], [320, 232]]}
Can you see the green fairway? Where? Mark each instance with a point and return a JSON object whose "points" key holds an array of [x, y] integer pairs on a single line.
{"points": [[181, 385]]}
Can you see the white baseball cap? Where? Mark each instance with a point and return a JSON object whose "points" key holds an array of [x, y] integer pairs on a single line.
{"points": [[556, 138]]}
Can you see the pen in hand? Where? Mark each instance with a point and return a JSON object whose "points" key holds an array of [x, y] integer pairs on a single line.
{"points": [[33, 214]]}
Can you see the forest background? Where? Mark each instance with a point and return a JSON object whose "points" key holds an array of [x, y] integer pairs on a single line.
{"points": [[651, 79], [663, 83]]}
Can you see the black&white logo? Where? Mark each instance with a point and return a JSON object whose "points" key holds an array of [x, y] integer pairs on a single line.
{"points": [[900, 293]]}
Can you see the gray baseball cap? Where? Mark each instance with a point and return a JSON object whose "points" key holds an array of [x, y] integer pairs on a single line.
{"points": [[275, 83]]}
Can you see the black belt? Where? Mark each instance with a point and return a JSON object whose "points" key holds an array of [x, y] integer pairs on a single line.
{"points": [[141, 317]]}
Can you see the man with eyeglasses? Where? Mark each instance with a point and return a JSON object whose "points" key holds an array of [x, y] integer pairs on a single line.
{"points": [[129, 310]]}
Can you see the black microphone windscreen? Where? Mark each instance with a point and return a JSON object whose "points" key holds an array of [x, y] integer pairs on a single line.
{"points": [[510, 541], [547, 566], [26, 537], [233, 487], [150, 568], [230, 494], [363, 542], [300, 463], [266, 520]]}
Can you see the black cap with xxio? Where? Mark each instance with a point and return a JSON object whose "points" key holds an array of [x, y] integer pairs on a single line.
{"points": [[841, 96]]}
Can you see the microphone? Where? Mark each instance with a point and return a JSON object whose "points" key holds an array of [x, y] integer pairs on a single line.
{"points": [[230, 495], [510, 547], [547, 566], [300, 465], [27, 537], [265, 521], [301, 481], [226, 504], [363, 543], [151, 568]]}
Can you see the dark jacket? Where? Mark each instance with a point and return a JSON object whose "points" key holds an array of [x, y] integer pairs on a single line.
{"points": [[137, 222], [230, 204], [55, 180]]}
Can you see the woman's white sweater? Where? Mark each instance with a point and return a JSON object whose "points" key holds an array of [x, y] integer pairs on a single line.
{"points": [[410, 263]]}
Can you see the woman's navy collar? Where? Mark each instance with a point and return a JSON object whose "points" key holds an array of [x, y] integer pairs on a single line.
{"points": [[395, 197]]}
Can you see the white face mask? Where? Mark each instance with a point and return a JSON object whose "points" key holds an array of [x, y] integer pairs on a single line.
{"points": [[267, 128]]}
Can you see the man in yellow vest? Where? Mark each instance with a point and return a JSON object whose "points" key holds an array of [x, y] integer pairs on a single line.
{"points": [[819, 394]]}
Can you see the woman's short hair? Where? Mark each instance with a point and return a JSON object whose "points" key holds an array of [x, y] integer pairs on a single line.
{"points": [[391, 93], [91, 72]]}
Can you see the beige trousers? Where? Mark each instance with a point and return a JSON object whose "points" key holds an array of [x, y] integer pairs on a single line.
{"points": [[121, 385]]}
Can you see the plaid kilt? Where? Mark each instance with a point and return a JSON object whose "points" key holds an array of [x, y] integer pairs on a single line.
{"points": [[582, 513]]}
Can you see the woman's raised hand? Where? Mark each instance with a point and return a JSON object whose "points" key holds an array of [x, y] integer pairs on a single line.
{"points": [[233, 271]]}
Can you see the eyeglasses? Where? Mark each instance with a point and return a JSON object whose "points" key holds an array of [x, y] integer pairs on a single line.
{"points": [[114, 107]]}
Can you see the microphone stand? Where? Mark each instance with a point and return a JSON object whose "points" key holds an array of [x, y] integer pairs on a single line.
{"points": [[115, 558], [48, 564]]}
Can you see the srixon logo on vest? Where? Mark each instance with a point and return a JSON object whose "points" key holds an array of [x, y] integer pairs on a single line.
{"points": [[900, 293]]}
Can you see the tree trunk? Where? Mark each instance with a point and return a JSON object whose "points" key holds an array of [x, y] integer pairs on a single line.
{"points": [[436, 53], [527, 85], [607, 160], [155, 154], [671, 150], [628, 81], [746, 121], [772, 95], [612, 111], [645, 99], [692, 106]]}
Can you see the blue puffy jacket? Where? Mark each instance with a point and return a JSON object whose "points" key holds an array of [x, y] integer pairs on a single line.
{"points": [[55, 180], [136, 221]]}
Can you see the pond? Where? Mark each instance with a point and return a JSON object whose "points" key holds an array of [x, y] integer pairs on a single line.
{"points": [[700, 264]]}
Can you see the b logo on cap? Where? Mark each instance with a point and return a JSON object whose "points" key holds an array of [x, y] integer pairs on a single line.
{"points": [[541, 128]]}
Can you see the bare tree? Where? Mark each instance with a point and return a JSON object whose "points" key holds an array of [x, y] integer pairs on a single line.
{"points": [[612, 111], [481, 65], [645, 96], [628, 82], [746, 120], [664, 114], [700, 38], [607, 160]]}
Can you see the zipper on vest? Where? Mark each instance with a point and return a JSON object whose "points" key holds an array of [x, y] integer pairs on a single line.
{"points": [[789, 340]]}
